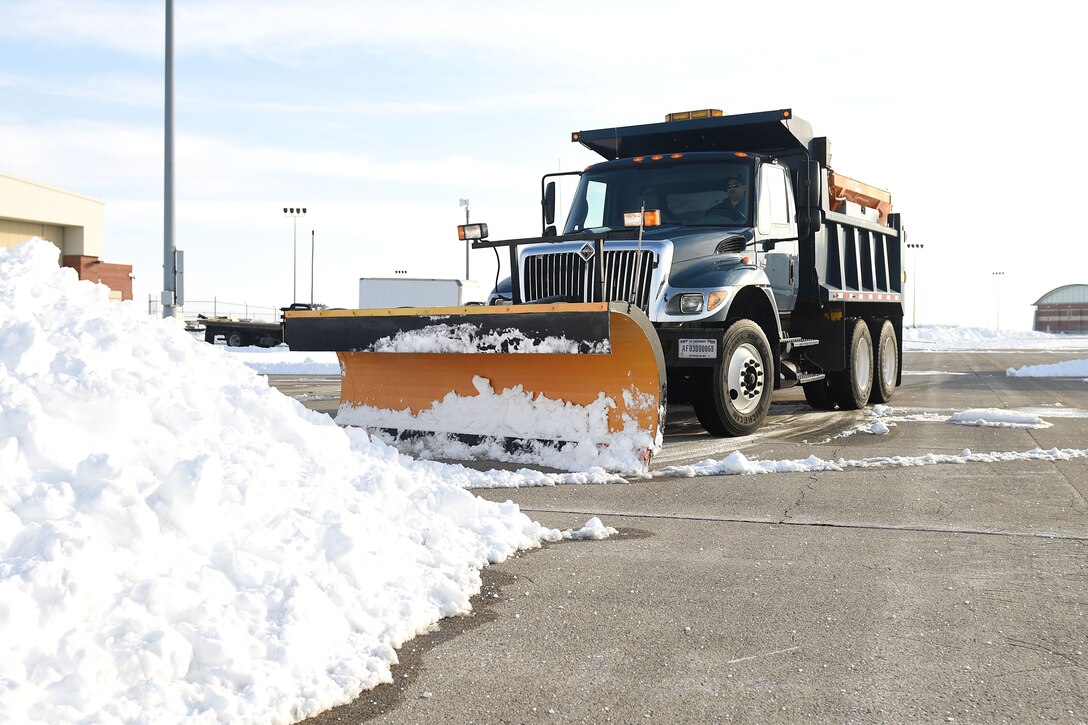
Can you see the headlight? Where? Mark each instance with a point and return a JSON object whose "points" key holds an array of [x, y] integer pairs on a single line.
{"points": [[691, 303]]}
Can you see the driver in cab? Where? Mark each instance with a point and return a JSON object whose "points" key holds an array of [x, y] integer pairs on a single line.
{"points": [[735, 205]]}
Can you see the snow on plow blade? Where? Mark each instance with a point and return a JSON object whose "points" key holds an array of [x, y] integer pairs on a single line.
{"points": [[571, 385]]}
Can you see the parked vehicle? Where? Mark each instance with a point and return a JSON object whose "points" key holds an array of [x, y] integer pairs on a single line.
{"points": [[386, 292], [246, 333]]}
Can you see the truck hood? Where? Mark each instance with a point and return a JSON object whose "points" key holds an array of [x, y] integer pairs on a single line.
{"points": [[696, 242]]}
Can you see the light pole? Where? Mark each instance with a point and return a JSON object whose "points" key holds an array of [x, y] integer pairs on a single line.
{"points": [[914, 294], [295, 213], [311, 268], [997, 276], [468, 244]]}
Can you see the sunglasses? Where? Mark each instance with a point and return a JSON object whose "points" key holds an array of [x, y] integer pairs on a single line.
{"points": [[734, 186]]}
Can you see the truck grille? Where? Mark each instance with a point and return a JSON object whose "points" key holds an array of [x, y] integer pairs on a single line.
{"points": [[564, 275]]}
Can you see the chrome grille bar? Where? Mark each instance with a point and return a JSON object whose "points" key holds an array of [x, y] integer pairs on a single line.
{"points": [[566, 275]]}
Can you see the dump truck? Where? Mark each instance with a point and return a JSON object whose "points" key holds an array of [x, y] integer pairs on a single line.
{"points": [[709, 260]]}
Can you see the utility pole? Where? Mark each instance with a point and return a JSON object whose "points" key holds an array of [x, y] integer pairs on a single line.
{"points": [[311, 268], [295, 213], [914, 294]]}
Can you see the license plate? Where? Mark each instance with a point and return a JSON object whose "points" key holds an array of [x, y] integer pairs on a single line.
{"points": [[699, 348]]}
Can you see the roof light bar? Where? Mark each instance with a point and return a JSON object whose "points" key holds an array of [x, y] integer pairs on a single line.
{"points": [[692, 115]]}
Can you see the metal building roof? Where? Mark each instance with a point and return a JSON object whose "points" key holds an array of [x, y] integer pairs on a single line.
{"points": [[1069, 294]]}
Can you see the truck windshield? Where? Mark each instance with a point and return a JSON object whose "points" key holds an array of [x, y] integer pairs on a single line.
{"points": [[691, 193]]}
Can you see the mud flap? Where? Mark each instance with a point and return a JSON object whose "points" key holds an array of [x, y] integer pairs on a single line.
{"points": [[585, 379]]}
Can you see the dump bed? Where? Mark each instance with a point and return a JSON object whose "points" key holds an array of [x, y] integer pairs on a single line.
{"points": [[767, 132]]}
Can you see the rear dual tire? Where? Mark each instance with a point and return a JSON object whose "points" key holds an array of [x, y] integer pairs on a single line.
{"points": [[885, 361], [853, 385], [871, 369]]}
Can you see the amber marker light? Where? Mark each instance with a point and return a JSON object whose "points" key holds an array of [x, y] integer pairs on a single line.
{"points": [[676, 156], [740, 154], [639, 159], [648, 218], [574, 136]]}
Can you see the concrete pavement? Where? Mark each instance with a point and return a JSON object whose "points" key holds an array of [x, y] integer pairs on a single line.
{"points": [[950, 593]]}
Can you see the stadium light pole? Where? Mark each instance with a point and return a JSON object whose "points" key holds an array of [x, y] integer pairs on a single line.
{"points": [[468, 244], [997, 276], [914, 294], [294, 213]]}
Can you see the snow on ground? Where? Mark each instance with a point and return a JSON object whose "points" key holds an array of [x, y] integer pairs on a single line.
{"points": [[737, 464], [943, 338], [932, 338], [997, 418], [179, 541]]}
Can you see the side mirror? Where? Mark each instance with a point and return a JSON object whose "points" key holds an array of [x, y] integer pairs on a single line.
{"points": [[549, 203]]}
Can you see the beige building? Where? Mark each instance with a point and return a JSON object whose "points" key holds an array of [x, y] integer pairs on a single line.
{"points": [[73, 222]]}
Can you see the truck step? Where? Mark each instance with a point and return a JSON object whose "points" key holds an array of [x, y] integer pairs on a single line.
{"points": [[799, 341], [792, 375]]}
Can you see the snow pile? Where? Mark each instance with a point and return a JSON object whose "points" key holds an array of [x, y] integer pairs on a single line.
{"points": [[179, 541], [593, 529], [581, 433], [939, 338], [1067, 369], [468, 338], [996, 418]]}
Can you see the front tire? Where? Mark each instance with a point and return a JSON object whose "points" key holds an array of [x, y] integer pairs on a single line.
{"points": [[234, 339], [854, 384], [738, 396], [885, 361]]}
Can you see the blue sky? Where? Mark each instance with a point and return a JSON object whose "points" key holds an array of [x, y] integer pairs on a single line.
{"points": [[379, 117]]}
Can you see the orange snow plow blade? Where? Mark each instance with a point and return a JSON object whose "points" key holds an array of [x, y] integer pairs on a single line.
{"points": [[554, 373]]}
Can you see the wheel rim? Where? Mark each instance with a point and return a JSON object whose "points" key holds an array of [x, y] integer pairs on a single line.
{"points": [[745, 378], [863, 364], [887, 365]]}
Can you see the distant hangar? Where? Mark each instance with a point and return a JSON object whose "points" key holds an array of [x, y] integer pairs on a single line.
{"points": [[73, 222], [1064, 309]]}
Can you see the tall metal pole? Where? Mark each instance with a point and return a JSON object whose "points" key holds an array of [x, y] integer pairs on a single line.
{"points": [[468, 244], [914, 295], [311, 268], [294, 213], [997, 276], [169, 273]]}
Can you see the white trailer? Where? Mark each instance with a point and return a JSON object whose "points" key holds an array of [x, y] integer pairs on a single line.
{"points": [[386, 292]]}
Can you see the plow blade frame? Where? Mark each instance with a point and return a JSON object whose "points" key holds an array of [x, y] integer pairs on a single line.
{"points": [[613, 350]]}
